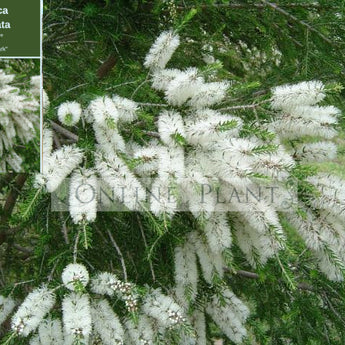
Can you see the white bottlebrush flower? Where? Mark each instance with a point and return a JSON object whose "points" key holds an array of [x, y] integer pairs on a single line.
{"points": [[105, 284], [77, 315], [69, 113], [127, 108], [35, 83], [148, 159], [304, 93], [50, 332], [183, 87], [171, 163], [199, 323], [170, 126], [83, 196], [186, 273], [58, 166], [274, 164], [217, 232], [290, 127], [19, 121], [103, 111], [141, 333], [210, 126], [229, 316], [209, 94], [108, 284], [163, 309], [124, 184], [324, 114], [45, 101], [75, 275], [106, 323], [211, 263], [163, 197], [7, 305], [162, 78], [35, 340], [47, 143], [162, 50], [317, 152], [32, 311], [109, 139]]}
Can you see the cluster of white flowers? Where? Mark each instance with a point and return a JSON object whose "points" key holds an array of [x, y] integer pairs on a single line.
{"points": [[49, 333], [32, 311], [7, 305], [77, 316], [141, 333], [202, 147], [108, 284], [87, 318], [75, 276], [163, 309], [19, 120], [57, 165], [69, 113], [83, 196], [106, 323], [321, 223], [229, 313]]}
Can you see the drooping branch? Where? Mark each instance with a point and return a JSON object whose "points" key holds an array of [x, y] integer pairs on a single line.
{"points": [[295, 19]]}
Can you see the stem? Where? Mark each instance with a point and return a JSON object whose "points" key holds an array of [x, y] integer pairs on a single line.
{"points": [[117, 248]]}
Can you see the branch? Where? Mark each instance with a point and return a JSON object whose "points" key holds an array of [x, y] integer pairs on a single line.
{"points": [[119, 253], [253, 275], [295, 19], [64, 131], [10, 204]]}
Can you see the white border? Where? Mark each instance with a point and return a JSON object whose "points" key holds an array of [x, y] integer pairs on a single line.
{"points": [[41, 90]]}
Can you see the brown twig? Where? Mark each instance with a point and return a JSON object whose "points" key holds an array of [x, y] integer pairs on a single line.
{"points": [[64, 131]]}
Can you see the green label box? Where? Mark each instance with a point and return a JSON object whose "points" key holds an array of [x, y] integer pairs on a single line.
{"points": [[20, 28]]}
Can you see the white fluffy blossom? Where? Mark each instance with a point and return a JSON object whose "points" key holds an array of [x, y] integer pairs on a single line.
{"points": [[74, 275], [105, 284], [170, 124], [162, 78], [106, 323], [184, 86], [211, 263], [163, 309], [77, 315], [162, 50], [229, 313], [127, 108], [35, 83], [32, 311], [140, 333], [186, 273], [50, 332], [58, 166], [217, 232], [7, 305], [208, 94], [108, 284], [317, 152], [103, 111], [69, 113], [19, 121], [125, 186], [304, 93], [83, 196]]}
